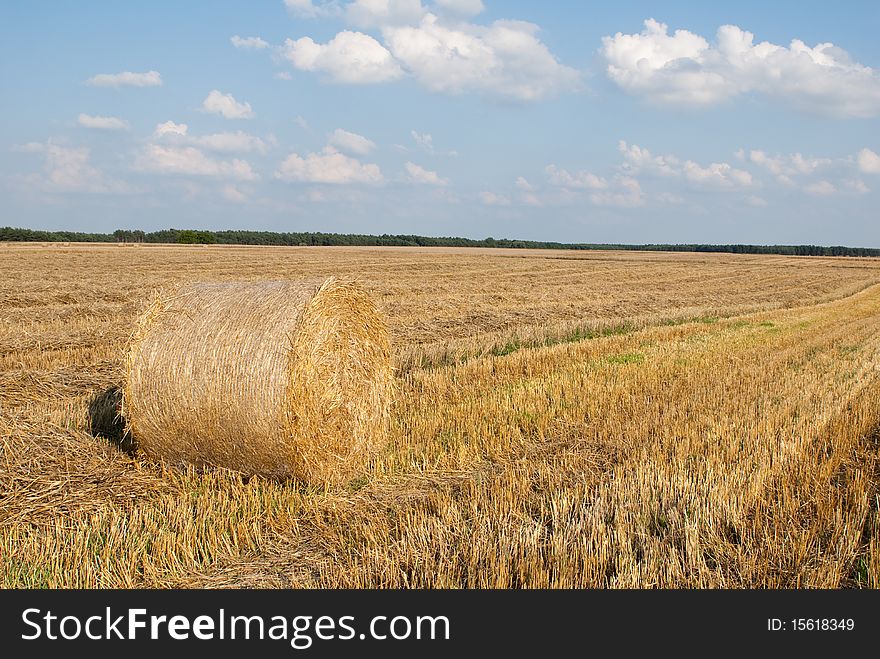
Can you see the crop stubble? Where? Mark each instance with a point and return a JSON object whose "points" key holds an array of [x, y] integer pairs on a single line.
{"points": [[563, 419]]}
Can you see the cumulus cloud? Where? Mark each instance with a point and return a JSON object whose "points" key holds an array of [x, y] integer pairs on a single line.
{"points": [[191, 161], [784, 167], [217, 102], [804, 165], [349, 57], [227, 142], [868, 161], [523, 184], [329, 166], [623, 188], [249, 43], [126, 79], [717, 174], [505, 58], [170, 128], [424, 140], [820, 189], [492, 199], [102, 123], [684, 69], [350, 142], [638, 160], [421, 175], [583, 179], [856, 185]]}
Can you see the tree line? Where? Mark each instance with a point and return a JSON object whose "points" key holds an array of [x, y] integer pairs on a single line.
{"points": [[313, 238]]}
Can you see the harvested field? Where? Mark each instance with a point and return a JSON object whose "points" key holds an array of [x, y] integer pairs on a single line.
{"points": [[562, 419]]}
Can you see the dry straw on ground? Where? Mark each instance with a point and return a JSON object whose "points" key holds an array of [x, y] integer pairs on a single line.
{"points": [[281, 379], [564, 419]]}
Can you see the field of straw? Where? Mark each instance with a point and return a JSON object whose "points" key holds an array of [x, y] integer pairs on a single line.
{"points": [[561, 419]]}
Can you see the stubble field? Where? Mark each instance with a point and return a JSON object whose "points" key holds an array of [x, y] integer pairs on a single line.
{"points": [[562, 419]]}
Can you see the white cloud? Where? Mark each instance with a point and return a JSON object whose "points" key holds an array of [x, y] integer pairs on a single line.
{"points": [[492, 199], [170, 128], [424, 140], [868, 161], [665, 68], [349, 57], [300, 121], [225, 104], [229, 142], [786, 166], [820, 189], [191, 161], [283, 75], [717, 174], [582, 179], [461, 7], [683, 69], [856, 185], [248, 43], [771, 164], [419, 174], [523, 184], [505, 59], [807, 165], [329, 166], [626, 192], [639, 160], [374, 13], [126, 79], [103, 123], [350, 142]]}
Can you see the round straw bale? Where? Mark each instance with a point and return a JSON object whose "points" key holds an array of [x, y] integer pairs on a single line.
{"points": [[282, 379]]}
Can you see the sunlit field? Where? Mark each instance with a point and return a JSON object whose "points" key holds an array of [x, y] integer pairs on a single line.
{"points": [[561, 419]]}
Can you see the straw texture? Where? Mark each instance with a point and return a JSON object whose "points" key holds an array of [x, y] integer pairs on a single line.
{"points": [[282, 379]]}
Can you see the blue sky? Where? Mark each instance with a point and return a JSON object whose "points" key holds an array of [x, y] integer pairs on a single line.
{"points": [[750, 122]]}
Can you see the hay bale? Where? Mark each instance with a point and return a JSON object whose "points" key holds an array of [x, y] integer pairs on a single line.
{"points": [[282, 379]]}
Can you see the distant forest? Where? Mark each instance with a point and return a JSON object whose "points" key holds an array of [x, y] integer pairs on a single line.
{"points": [[190, 236]]}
